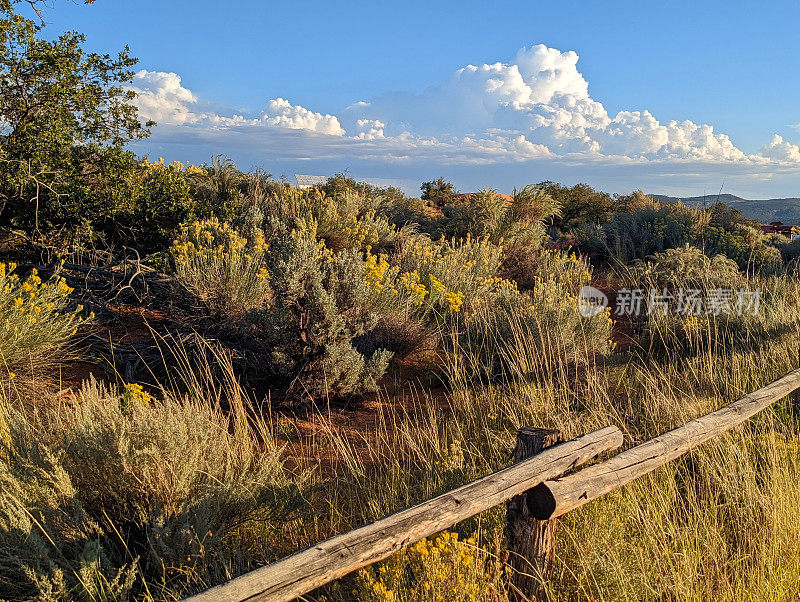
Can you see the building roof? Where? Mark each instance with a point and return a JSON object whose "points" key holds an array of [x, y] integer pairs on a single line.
{"points": [[307, 181]]}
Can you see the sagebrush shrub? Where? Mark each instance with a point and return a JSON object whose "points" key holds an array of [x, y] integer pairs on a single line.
{"points": [[321, 302], [711, 302], [107, 495], [651, 229]]}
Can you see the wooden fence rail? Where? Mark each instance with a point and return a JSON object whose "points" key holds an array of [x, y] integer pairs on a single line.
{"points": [[333, 558], [552, 499], [539, 497]]}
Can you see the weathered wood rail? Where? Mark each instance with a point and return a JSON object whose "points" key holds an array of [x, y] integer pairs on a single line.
{"points": [[538, 497], [304, 571]]}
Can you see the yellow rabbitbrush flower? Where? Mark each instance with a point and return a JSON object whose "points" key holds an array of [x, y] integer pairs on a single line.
{"points": [[134, 395], [35, 322], [221, 269], [376, 268], [443, 568], [410, 282]]}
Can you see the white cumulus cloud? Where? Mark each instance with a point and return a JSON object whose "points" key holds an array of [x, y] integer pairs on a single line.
{"points": [[535, 106], [282, 113], [542, 96], [779, 150], [161, 97]]}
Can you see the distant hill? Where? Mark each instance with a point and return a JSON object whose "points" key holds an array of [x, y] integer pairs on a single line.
{"points": [[766, 210]]}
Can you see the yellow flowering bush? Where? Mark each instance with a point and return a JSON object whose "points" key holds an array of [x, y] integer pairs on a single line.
{"points": [[409, 292], [458, 272], [343, 221], [444, 568], [221, 270], [35, 320], [133, 395]]}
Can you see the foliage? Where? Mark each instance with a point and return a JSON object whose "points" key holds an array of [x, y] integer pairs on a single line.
{"points": [[529, 267], [728, 218], [162, 202], [712, 302], [685, 266], [216, 189], [580, 204], [487, 214], [107, 498], [443, 568], [439, 191], [345, 221], [652, 229], [529, 335], [321, 302], [752, 257], [470, 266], [63, 109], [222, 272], [36, 323]]}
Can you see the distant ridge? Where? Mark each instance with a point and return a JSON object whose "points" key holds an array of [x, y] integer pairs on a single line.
{"points": [[785, 210]]}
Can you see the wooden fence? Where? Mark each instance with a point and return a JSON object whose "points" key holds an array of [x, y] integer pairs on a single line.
{"points": [[535, 494]]}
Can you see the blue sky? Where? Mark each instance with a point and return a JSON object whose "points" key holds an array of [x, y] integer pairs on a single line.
{"points": [[726, 65]]}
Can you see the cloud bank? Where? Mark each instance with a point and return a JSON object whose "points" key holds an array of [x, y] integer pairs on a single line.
{"points": [[536, 106]]}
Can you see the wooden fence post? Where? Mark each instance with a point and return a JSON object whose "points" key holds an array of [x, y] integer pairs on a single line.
{"points": [[795, 410], [531, 542]]}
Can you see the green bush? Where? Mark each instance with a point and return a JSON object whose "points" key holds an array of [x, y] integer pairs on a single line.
{"points": [[652, 229], [684, 266], [321, 302], [752, 256], [710, 302]]}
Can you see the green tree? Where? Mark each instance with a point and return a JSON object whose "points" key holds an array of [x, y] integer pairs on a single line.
{"points": [[64, 116], [440, 191], [580, 204]]}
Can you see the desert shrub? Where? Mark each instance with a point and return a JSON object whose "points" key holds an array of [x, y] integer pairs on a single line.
{"points": [[471, 266], [478, 214], [36, 322], [321, 302], [790, 251], [216, 189], [690, 301], [107, 498], [686, 266], [219, 270], [636, 235], [751, 254], [529, 268], [580, 204], [162, 203], [439, 191], [493, 316], [635, 201], [343, 221], [529, 334], [486, 214], [443, 568], [729, 218]]}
